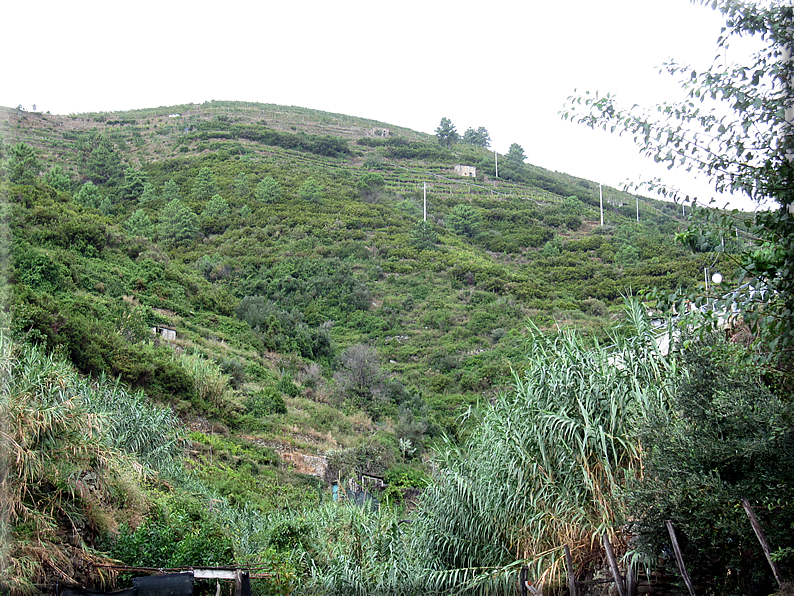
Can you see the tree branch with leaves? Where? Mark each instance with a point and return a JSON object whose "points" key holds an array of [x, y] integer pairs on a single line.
{"points": [[731, 126]]}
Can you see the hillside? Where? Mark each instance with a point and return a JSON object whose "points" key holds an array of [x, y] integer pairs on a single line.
{"points": [[309, 324]]}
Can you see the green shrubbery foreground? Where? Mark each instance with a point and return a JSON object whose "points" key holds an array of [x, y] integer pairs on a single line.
{"points": [[589, 441]]}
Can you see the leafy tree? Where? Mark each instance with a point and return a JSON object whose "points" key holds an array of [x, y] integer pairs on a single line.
{"points": [[204, 186], [268, 190], [58, 179], [178, 224], [139, 224], [310, 191], [89, 195], [245, 212], [464, 220], [23, 165], [369, 186], [515, 155], [446, 133], [359, 377], [478, 138], [726, 437], [733, 127], [284, 331]]}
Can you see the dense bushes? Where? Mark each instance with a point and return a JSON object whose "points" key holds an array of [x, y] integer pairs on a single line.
{"points": [[325, 145], [725, 438], [284, 331]]}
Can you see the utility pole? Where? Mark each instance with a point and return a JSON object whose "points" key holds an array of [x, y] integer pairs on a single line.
{"points": [[496, 162], [601, 202], [424, 187], [638, 209], [788, 86]]}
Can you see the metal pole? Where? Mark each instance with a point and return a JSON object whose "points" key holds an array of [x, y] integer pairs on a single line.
{"points": [[601, 202], [788, 86], [424, 187]]}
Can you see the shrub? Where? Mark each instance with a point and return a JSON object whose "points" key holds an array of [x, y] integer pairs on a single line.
{"points": [[265, 403], [725, 438]]}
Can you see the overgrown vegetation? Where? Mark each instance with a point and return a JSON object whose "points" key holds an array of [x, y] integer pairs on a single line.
{"points": [[218, 310]]}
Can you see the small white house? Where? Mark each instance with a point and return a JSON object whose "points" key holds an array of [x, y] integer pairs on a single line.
{"points": [[167, 333], [469, 171]]}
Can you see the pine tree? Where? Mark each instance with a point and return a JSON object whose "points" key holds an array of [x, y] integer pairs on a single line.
{"points": [[171, 192], [89, 195], [139, 224], [23, 165], [268, 190], [204, 186], [178, 225]]}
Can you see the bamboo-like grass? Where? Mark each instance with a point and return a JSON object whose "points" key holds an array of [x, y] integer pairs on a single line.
{"points": [[63, 440], [209, 381], [47, 440], [546, 463], [131, 424]]}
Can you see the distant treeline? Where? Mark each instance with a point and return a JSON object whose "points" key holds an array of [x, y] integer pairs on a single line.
{"points": [[400, 148], [325, 145]]}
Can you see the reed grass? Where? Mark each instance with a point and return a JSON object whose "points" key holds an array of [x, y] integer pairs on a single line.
{"points": [[547, 462]]}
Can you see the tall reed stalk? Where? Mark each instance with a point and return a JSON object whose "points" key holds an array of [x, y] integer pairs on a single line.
{"points": [[63, 438], [546, 463]]}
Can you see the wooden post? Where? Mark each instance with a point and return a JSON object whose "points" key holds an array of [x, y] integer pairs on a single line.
{"points": [[571, 577], [679, 559], [762, 539], [631, 582], [613, 564]]}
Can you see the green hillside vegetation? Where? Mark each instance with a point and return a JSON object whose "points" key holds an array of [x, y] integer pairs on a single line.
{"points": [[315, 313]]}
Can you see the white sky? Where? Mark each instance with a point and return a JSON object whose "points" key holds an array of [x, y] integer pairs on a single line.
{"points": [[507, 66]]}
